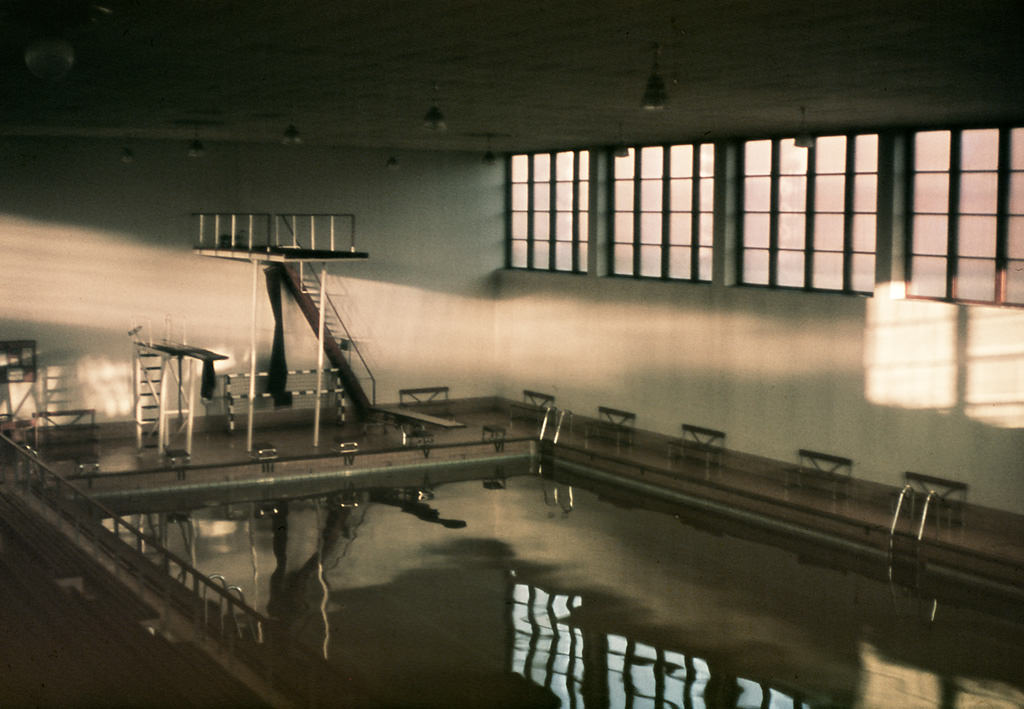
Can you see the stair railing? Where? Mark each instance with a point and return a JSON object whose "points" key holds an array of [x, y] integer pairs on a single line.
{"points": [[353, 347]]}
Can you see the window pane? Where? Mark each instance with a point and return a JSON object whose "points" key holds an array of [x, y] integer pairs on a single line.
{"points": [[864, 232], [650, 195], [563, 226], [679, 228], [978, 193], [707, 195], [931, 234], [564, 166], [623, 227], [584, 195], [624, 166], [563, 196], [518, 254], [830, 154], [862, 273], [866, 156], [828, 232], [1015, 282], [791, 231], [931, 150], [584, 226], [582, 246], [520, 197], [931, 193], [679, 262], [979, 149], [792, 160], [624, 195], [650, 261], [757, 157], [755, 230], [707, 160], [1016, 193], [1015, 237], [681, 195], [681, 157], [623, 260], [977, 236], [520, 168], [541, 225], [542, 195], [757, 194], [928, 276], [651, 162], [792, 194], [541, 167], [706, 226], [704, 263], [541, 252], [755, 266], [563, 256], [584, 170], [650, 227], [828, 271], [976, 279], [865, 193], [791, 268], [519, 225], [829, 193]]}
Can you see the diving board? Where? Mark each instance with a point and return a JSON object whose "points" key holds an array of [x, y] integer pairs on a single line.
{"points": [[404, 414]]}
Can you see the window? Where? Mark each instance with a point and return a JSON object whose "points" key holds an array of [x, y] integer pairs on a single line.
{"points": [[549, 196], [662, 204], [966, 207], [809, 214]]}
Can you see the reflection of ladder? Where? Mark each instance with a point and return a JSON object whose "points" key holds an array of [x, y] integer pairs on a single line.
{"points": [[905, 562], [146, 378]]}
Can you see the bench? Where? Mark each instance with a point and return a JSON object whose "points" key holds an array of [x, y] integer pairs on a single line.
{"points": [[945, 493], [612, 424], [301, 385], [532, 407], [832, 468], [495, 434], [698, 439], [70, 434], [425, 395]]}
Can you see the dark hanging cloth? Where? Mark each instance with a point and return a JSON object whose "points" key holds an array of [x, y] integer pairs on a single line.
{"points": [[209, 381], [277, 376]]}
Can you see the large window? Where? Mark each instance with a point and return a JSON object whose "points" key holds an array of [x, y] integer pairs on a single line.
{"points": [[809, 214], [966, 206], [663, 205], [549, 196]]}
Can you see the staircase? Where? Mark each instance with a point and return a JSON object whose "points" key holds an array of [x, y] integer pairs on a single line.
{"points": [[340, 348], [146, 376]]}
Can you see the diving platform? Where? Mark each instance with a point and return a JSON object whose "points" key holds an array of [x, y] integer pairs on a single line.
{"points": [[398, 413], [276, 238], [280, 254]]}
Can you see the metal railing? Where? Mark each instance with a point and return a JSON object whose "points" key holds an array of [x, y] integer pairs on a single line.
{"points": [[255, 231]]}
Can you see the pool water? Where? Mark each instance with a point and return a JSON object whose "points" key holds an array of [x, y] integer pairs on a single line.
{"points": [[524, 592]]}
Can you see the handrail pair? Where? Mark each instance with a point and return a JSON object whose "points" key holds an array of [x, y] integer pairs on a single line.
{"points": [[238, 230], [918, 539], [549, 413]]}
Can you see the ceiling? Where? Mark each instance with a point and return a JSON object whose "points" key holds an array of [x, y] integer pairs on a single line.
{"points": [[522, 75]]}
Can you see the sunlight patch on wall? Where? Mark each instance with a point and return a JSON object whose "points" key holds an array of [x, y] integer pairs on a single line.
{"points": [[995, 366], [105, 386], [910, 353]]}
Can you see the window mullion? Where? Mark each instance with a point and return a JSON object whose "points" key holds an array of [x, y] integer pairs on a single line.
{"points": [[575, 207], [552, 209], [637, 185], [773, 221], [849, 186], [810, 180], [953, 240], [1002, 214], [695, 214], [531, 204], [666, 208]]}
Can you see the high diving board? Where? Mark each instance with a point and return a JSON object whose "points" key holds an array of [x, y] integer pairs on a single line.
{"points": [[403, 414], [280, 254]]}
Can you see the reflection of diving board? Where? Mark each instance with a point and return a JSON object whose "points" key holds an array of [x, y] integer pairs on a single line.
{"points": [[403, 414]]}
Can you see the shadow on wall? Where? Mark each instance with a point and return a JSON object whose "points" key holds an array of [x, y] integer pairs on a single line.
{"points": [[932, 355]]}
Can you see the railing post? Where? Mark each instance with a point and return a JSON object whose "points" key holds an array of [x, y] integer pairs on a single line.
{"points": [[201, 230], [332, 232]]}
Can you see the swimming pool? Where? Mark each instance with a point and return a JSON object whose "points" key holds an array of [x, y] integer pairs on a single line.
{"points": [[516, 590]]}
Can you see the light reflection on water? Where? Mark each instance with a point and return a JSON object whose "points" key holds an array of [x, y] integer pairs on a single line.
{"points": [[600, 604]]}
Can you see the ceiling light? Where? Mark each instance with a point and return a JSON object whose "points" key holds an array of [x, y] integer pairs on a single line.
{"points": [[803, 138], [392, 163], [127, 156], [655, 95], [196, 149], [434, 119], [621, 150], [489, 157], [291, 135], [50, 59]]}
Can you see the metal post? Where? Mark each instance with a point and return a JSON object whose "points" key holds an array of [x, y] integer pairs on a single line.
{"points": [[234, 223], [216, 231], [250, 231], [320, 355], [312, 231], [201, 240], [192, 362], [332, 232], [252, 357], [165, 372]]}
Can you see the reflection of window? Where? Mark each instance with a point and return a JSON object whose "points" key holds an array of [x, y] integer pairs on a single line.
{"points": [[809, 214], [966, 206], [663, 199], [549, 195]]}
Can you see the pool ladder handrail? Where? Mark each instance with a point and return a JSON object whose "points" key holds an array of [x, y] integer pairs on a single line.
{"points": [[549, 412], [895, 520], [918, 539]]}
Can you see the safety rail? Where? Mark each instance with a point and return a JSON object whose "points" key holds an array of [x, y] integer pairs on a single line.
{"points": [[331, 318], [549, 413], [255, 231], [75, 509]]}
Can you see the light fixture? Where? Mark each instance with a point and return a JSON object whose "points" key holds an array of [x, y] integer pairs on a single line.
{"points": [[803, 138], [621, 150], [50, 58], [127, 156], [291, 135], [196, 149], [392, 163], [655, 95], [489, 157], [434, 119]]}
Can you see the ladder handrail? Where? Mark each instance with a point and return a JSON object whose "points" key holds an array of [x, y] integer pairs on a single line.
{"points": [[895, 519], [924, 514]]}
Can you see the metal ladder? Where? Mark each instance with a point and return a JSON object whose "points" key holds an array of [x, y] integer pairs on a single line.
{"points": [[916, 539], [556, 417]]}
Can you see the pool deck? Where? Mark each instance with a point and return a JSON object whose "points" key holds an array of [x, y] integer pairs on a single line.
{"points": [[992, 537]]}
